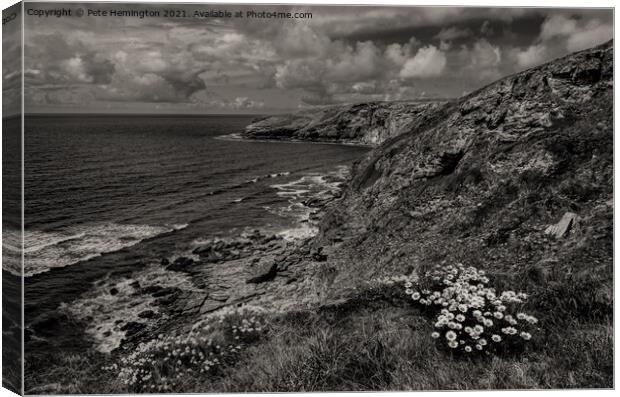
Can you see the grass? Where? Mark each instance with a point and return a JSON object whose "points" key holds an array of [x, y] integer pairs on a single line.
{"points": [[375, 341], [377, 345]]}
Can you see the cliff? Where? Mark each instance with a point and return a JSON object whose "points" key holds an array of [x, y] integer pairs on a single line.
{"points": [[366, 123], [515, 178]]}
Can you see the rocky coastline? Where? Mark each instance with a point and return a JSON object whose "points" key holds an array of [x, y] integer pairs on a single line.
{"points": [[365, 123], [515, 178], [270, 268]]}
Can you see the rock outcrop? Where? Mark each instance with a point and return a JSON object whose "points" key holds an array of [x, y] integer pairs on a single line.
{"points": [[366, 123]]}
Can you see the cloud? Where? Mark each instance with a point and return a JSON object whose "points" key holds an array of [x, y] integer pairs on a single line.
{"points": [[300, 73], [322, 77], [365, 87], [560, 34], [75, 95], [87, 68], [362, 62], [429, 61], [482, 61], [486, 29], [594, 32], [532, 56], [484, 54], [341, 54], [453, 33], [557, 25], [244, 103]]}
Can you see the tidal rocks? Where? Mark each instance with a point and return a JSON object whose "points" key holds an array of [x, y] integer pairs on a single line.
{"points": [[132, 328], [181, 264], [221, 250]]}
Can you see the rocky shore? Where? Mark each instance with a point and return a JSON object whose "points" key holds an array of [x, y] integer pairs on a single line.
{"points": [[261, 267]]}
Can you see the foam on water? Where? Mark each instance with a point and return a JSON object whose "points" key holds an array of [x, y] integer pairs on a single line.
{"points": [[11, 252], [46, 250], [312, 185], [108, 313]]}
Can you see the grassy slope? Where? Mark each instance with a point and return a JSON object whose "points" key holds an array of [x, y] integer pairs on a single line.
{"points": [[378, 342]]}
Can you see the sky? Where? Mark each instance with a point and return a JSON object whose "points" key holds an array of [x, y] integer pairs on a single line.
{"points": [[251, 66]]}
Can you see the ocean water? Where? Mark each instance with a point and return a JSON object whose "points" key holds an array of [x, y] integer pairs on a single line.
{"points": [[107, 195]]}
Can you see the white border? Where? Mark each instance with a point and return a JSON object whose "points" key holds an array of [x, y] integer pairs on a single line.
{"points": [[478, 3]]}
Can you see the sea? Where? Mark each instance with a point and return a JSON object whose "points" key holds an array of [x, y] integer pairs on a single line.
{"points": [[107, 195]]}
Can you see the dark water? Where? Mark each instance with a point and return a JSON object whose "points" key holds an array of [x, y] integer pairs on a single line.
{"points": [[11, 283], [107, 195]]}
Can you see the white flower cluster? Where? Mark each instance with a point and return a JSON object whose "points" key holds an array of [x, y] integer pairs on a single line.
{"points": [[471, 316], [159, 365]]}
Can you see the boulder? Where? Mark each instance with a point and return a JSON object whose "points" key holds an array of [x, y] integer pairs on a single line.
{"points": [[181, 264], [564, 226], [132, 328], [318, 255], [146, 314], [264, 272]]}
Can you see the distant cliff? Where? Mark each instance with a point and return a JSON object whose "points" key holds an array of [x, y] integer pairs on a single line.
{"points": [[367, 123]]}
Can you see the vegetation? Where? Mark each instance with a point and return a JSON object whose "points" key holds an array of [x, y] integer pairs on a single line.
{"points": [[376, 340], [471, 317]]}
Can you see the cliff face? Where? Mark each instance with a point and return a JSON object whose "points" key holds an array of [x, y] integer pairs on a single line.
{"points": [[367, 123], [516, 178]]}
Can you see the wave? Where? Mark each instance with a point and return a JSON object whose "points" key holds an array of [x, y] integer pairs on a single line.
{"points": [[46, 250], [298, 194], [268, 176]]}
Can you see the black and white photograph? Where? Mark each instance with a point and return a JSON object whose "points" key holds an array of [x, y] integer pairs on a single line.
{"points": [[231, 198]]}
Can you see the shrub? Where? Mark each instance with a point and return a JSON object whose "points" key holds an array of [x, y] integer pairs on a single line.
{"points": [[471, 317], [163, 364]]}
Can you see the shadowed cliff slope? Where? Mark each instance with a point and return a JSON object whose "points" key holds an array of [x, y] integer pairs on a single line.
{"points": [[365, 123]]}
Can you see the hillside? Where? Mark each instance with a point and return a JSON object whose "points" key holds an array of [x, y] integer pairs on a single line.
{"points": [[366, 123], [515, 179], [491, 172]]}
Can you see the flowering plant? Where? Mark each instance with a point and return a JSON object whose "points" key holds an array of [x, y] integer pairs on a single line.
{"points": [[470, 316], [161, 364]]}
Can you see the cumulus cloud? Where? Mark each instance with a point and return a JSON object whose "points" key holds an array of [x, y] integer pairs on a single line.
{"points": [[578, 34], [559, 34], [300, 73], [557, 25], [481, 61], [593, 33], [342, 54], [429, 61], [533, 55]]}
